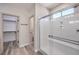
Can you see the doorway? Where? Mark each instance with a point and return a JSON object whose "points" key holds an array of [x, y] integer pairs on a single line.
{"points": [[31, 31]]}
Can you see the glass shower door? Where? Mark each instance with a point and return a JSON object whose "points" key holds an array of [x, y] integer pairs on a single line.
{"points": [[44, 32]]}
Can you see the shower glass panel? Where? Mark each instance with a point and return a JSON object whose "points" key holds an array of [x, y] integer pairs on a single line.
{"points": [[44, 32]]}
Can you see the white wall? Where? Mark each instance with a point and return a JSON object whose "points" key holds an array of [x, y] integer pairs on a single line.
{"points": [[32, 21], [40, 11], [23, 13]]}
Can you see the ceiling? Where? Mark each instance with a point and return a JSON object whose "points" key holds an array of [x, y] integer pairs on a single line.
{"points": [[50, 5], [27, 6], [31, 6]]}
